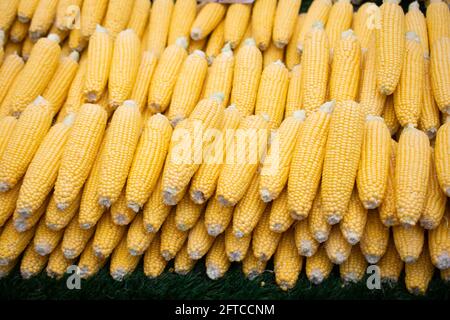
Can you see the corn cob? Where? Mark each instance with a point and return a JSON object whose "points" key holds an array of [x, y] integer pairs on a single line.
{"points": [[57, 220], [207, 20], [315, 67], [172, 239], [263, 17], [155, 211], [99, 59], [92, 13], [337, 248], [13, 242], [62, 34], [199, 241], [27, 47], [32, 263], [419, 274], [409, 242], [429, 120], [75, 95], [415, 21], [388, 210], [354, 269], [144, 76], [138, 239], [236, 248], [280, 220], [183, 263], [442, 158], [42, 18], [139, 17], [158, 27], [18, 31], [292, 55], [9, 70], [236, 21], [45, 240], [439, 244], [183, 16], [154, 263], [68, 15], [187, 213], [307, 245], [295, 93], [8, 201], [215, 42], [438, 21], [188, 86], [287, 262], [251, 266], [117, 16], [57, 264], [7, 125], [272, 54], [275, 169], [122, 262], [86, 134], [75, 239], [284, 21], [216, 260], [217, 217], [264, 240], [440, 80], [120, 212], [389, 57], [390, 264], [89, 264], [354, 220], [339, 20], [364, 22], [319, 266], [25, 10], [26, 223], [343, 142], [375, 238], [318, 224], [107, 236]]}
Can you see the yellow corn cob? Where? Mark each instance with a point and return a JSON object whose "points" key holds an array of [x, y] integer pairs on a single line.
{"points": [[375, 238], [236, 21], [188, 86], [318, 11], [337, 248], [155, 210], [220, 75], [287, 262], [68, 14], [32, 263], [158, 27], [199, 241], [264, 240], [13, 242], [143, 78], [107, 236], [344, 142], [138, 239], [249, 210], [183, 263], [62, 34], [390, 264], [18, 31], [429, 120], [86, 135], [442, 157], [411, 175], [215, 42], [25, 10], [390, 46], [57, 264], [306, 244], [295, 92], [247, 74], [148, 161], [435, 200], [251, 266], [58, 87], [236, 248], [217, 217], [27, 47], [139, 17], [263, 16], [365, 20], [89, 264], [292, 55], [35, 75], [374, 164], [440, 80], [318, 267], [284, 21], [99, 57], [315, 67], [7, 125], [120, 213], [237, 173], [43, 169], [207, 20], [57, 220], [216, 261], [154, 263], [75, 95], [415, 21], [9, 70], [354, 268], [25, 223], [389, 116], [8, 201], [25, 139], [187, 213], [124, 67], [272, 54], [172, 239], [75, 239], [345, 70], [438, 21], [184, 12], [354, 220], [42, 18], [45, 240], [280, 220], [117, 16], [92, 13], [409, 242], [439, 244], [277, 164], [122, 262], [339, 20], [247, 35], [166, 74], [418, 274]]}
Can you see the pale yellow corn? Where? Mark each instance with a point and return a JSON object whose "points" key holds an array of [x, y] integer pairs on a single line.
{"points": [[207, 20], [75, 239], [409, 242], [429, 121], [13, 242], [263, 16], [440, 79], [306, 244], [217, 263], [438, 21], [45, 240], [390, 264], [337, 248], [287, 262], [120, 212], [158, 27], [43, 18], [284, 21], [75, 96], [217, 217], [197, 45], [117, 16], [184, 12], [292, 54], [418, 274], [375, 238], [57, 220], [415, 21], [92, 13], [18, 31], [144, 76], [8, 201], [138, 239], [183, 263], [57, 264], [107, 236], [11, 67], [215, 42], [354, 268], [264, 240], [68, 14], [187, 213], [236, 21], [199, 241], [295, 93], [236, 248], [439, 244], [388, 208], [7, 125], [122, 262], [172, 239], [27, 47], [26, 223], [339, 20], [354, 220], [155, 210], [139, 17], [25, 10], [442, 157], [318, 267], [32, 263], [272, 54], [251, 266], [364, 22], [154, 263], [279, 219]]}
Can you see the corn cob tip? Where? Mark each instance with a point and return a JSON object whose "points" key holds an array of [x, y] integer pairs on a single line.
{"points": [[413, 6], [317, 25], [62, 206], [24, 274], [431, 133], [352, 237], [371, 204], [53, 226], [166, 255], [54, 37], [321, 236], [227, 49], [328, 106], [198, 197], [224, 202], [265, 195], [265, 117], [104, 202], [238, 234], [348, 34], [231, 107], [412, 36], [120, 219], [214, 229], [69, 119], [196, 34], [299, 115], [99, 28], [182, 42], [213, 272], [42, 249], [4, 187], [280, 44], [39, 100], [443, 261], [199, 53], [85, 226], [169, 196], [219, 96], [279, 63], [74, 55], [24, 212], [371, 117], [334, 219], [118, 274], [20, 225], [134, 252], [250, 42], [316, 276], [371, 258], [130, 103], [392, 1], [134, 206]]}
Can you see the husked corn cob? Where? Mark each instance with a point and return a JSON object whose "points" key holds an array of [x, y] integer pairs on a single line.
{"points": [[184, 12], [158, 27], [172, 239], [75, 239], [279, 219], [199, 241], [217, 217], [13, 242], [11, 67], [337, 248], [57, 220], [139, 17], [92, 13], [442, 157], [318, 266], [354, 268], [390, 264], [236, 21], [7, 125], [415, 21], [440, 79], [25, 9], [99, 58], [277, 163], [62, 34], [439, 244], [364, 22], [339, 20], [32, 263], [375, 238], [438, 21], [183, 263], [57, 264], [388, 208], [390, 46], [122, 262], [344, 142], [411, 175], [287, 262], [117, 16], [207, 20], [27, 47], [429, 121], [155, 210], [187, 213], [18, 31], [75, 96], [8, 201], [317, 221], [43, 18], [264, 240], [315, 66], [272, 54], [188, 87], [89, 264], [86, 134], [43, 169], [138, 239], [251, 266], [354, 220], [295, 93], [25, 223], [107, 236], [120, 212], [216, 260], [307, 245], [45, 240], [263, 16], [215, 42], [68, 14], [23, 143], [418, 274], [409, 242], [144, 75], [154, 263], [236, 248], [284, 21], [292, 55]]}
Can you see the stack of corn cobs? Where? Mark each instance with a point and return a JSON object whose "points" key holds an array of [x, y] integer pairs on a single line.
{"points": [[329, 131]]}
